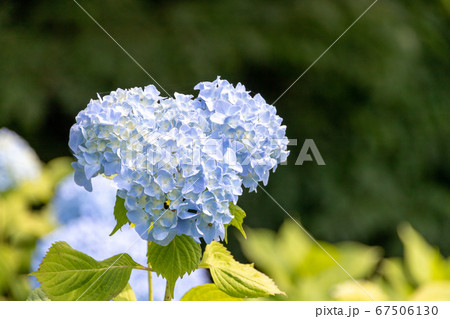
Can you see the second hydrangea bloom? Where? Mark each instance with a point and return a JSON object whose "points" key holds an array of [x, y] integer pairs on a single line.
{"points": [[85, 222], [178, 162], [18, 161]]}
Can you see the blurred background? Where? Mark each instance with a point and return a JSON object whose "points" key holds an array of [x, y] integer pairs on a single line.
{"points": [[377, 105]]}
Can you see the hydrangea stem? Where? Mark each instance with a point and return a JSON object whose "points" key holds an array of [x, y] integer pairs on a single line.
{"points": [[150, 283], [167, 295]]}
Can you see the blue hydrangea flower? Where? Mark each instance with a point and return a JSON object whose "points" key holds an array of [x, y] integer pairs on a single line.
{"points": [[178, 162], [91, 222], [18, 161], [71, 202]]}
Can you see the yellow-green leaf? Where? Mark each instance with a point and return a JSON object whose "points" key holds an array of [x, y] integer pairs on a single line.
{"points": [[237, 220], [38, 295], [127, 294], [236, 279], [433, 291], [207, 292], [423, 262], [348, 290]]}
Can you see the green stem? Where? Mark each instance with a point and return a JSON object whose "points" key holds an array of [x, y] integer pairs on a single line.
{"points": [[150, 284], [167, 295], [143, 268]]}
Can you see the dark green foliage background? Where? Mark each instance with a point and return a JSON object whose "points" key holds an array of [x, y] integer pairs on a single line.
{"points": [[377, 104]]}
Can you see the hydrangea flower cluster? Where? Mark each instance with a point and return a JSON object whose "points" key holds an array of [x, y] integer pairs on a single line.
{"points": [[86, 223], [178, 162], [72, 202], [18, 161]]}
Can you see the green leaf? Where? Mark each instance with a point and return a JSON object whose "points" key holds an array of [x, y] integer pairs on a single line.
{"points": [[68, 274], [120, 214], [435, 291], [9, 261], [348, 291], [38, 295], [236, 279], [424, 262], [127, 294], [393, 273], [182, 255], [208, 292], [237, 220]]}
